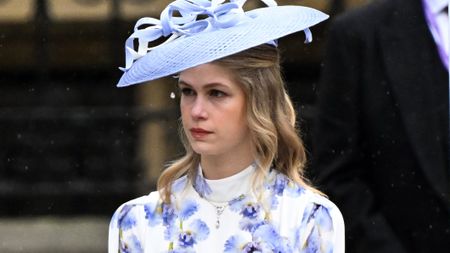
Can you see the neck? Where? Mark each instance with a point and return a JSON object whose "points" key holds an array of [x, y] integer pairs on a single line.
{"points": [[221, 167]]}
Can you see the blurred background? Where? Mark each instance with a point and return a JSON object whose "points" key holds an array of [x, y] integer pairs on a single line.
{"points": [[73, 147]]}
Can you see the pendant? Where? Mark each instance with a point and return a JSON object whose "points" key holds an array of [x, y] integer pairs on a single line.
{"points": [[217, 224]]}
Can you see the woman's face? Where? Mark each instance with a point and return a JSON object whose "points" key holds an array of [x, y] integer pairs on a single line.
{"points": [[213, 111]]}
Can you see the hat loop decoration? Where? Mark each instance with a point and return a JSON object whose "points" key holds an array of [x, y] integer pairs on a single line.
{"points": [[220, 15]]}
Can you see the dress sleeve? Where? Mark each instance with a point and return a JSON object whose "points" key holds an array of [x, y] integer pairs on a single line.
{"points": [[124, 231], [127, 227], [323, 229]]}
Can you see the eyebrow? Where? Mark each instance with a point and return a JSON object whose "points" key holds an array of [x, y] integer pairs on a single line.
{"points": [[208, 85]]}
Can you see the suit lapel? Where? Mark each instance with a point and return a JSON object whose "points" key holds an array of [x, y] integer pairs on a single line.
{"points": [[414, 70]]}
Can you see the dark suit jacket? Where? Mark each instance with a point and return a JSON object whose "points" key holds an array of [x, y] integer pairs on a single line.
{"points": [[380, 146]]}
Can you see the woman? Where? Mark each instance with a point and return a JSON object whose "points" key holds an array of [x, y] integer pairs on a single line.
{"points": [[239, 187]]}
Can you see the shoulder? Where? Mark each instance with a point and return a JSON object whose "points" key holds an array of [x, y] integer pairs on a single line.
{"points": [[320, 220], [128, 222], [313, 205], [148, 207], [129, 213], [318, 205], [321, 224], [282, 186]]}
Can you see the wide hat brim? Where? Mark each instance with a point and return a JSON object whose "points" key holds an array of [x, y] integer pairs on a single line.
{"points": [[267, 24]]}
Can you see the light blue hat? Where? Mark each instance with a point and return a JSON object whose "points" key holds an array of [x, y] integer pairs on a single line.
{"points": [[201, 31]]}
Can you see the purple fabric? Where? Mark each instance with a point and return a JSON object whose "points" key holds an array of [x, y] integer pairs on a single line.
{"points": [[431, 20]]}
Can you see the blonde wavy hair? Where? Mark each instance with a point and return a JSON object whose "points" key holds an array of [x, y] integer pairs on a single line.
{"points": [[271, 120]]}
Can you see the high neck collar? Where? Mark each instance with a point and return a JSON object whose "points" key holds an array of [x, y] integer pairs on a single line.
{"points": [[225, 189]]}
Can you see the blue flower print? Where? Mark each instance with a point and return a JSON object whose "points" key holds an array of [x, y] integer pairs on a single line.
{"points": [[171, 232], [270, 238], [293, 189], [273, 202], [265, 239], [168, 214], [234, 244], [168, 217], [283, 184], [252, 247], [131, 245], [201, 186], [323, 219], [200, 228], [236, 203], [245, 206], [250, 225], [182, 250], [313, 242], [237, 244], [186, 239], [197, 231], [250, 210], [321, 235], [179, 184], [309, 213], [267, 234], [188, 208], [126, 218], [280, 184], [153, 213]]}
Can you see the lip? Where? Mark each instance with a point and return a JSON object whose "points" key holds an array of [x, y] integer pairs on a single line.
{"points": [[199, 133]]}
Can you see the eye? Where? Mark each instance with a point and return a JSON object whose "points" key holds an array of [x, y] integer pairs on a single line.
{"points": [[217, 93], [187, 91]]}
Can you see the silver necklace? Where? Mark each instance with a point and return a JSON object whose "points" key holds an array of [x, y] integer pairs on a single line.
{"points": [[219, 211]]}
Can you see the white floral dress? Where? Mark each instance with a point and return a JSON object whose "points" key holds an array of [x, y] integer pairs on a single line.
{"points": [[227, 216]]}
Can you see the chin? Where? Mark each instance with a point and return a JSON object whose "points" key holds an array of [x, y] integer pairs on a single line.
{"points": [[203, 149]]}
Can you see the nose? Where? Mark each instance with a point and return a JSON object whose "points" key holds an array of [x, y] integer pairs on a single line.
{"points": [[198, 110]]}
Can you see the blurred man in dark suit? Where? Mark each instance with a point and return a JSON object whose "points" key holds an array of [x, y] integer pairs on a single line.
{"points": [[380, 142]]}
